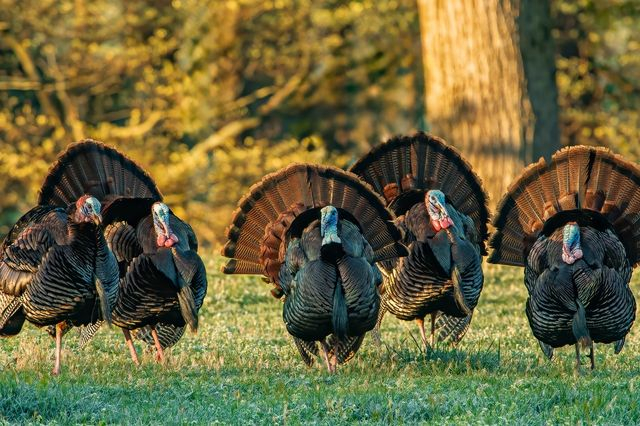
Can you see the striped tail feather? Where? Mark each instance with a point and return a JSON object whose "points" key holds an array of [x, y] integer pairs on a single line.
{"points": [[452, 329], [168, 335], [344, 348], [11, 319], [283, 203], [87, 332], [404, 167], [90, 167], [307, 349], [589, 185]]}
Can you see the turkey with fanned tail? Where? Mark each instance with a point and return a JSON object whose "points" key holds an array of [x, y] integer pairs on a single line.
{"points": [[574, 224], [442, 211], [57, 271], [316, 232], [162, 278]]}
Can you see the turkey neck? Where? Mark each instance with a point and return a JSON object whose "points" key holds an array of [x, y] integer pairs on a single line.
{"points": [[333, 251], [146, 234]]}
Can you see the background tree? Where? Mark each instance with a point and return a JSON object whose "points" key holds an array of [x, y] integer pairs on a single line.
{"points": [[538, 52], [475, 86], [210, 95]]}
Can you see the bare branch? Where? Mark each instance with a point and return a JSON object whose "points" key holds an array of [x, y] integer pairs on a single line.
{"points": [[19, 84], [71, 111], [227, 132], [30, 69], [137, 130]]}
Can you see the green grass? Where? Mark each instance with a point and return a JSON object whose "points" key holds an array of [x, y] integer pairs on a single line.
{"points": [[242, 367]]}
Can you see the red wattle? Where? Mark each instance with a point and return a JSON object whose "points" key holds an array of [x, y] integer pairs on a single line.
{"points": [[171, 240], [161, 240], [446, 223], [436, 225]]}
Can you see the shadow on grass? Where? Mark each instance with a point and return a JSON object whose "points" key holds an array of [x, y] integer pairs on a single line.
{"points": [[444, 358]]}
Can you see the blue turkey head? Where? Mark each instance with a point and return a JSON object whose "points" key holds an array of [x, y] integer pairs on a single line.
{"points": [[436, 207], [88, 210], [329, 225], [571, 249], [164, 235]]}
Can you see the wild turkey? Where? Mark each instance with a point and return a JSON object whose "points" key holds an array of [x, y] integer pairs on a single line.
{"points": [[442, 210], [574, 225], [165, 283], [163, 280], [316, 232], [56, 270]]}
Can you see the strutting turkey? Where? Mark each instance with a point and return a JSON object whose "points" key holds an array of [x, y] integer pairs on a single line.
{"points": [[442, 211], [316, 232], [56, 270], [162, 279], [574, 224]]}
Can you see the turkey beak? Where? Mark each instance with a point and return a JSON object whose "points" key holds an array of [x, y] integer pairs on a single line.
{"points": [[97, 219]]}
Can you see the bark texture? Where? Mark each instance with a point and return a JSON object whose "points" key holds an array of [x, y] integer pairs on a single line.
{"points": [[476, 92]]}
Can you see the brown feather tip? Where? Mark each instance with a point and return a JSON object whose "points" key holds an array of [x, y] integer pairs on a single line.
{"points": [[229, 267], [229, 249]]}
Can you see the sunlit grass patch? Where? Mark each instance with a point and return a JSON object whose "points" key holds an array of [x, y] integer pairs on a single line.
{"points": [[243, 367]]}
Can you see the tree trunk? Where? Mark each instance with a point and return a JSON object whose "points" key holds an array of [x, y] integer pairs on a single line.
{"points": [[475, 88], [538, 57]]}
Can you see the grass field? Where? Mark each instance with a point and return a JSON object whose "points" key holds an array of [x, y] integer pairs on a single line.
{"points": [[242, 367]]}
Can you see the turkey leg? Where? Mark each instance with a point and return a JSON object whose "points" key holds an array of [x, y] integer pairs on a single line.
{"points": [[159, 353], [433, 329], [325, 354], [592, 357], [56, 367], [132, 349], [423, 335], [578, 363]]}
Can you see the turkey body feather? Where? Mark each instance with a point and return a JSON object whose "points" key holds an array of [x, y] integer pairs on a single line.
{"points": [[161, 289], [60, 270], [70, 280], [155, 277], [156, 284], [573, 224], [442, 275], [316, 233], [310, 284], [598, 282]]}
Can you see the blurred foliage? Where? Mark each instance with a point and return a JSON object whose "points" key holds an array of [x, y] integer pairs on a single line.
{"points": [[599, 73], [211, 95]]}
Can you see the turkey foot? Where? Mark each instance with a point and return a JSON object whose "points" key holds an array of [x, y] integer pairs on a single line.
{"points": [[56, 367], [159, 353], [132, 349]]}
